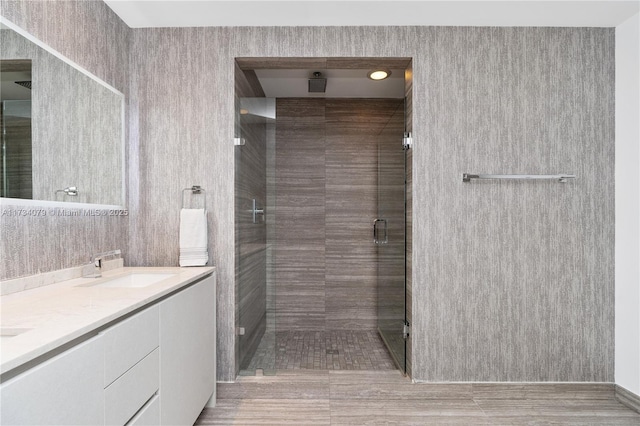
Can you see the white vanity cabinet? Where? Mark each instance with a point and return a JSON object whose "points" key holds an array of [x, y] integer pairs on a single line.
{"points": [[187, 353], [132, 366], [64, 390], [155, 366]]}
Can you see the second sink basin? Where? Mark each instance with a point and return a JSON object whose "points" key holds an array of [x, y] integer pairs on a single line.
{"points": [[133, 280], [7, 333]]}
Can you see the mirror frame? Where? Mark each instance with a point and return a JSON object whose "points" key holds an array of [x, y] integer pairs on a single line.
{"points": [[70, 204]]}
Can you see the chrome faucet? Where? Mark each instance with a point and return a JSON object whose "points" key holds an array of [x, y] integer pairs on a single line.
{"points": [[94, 269]]}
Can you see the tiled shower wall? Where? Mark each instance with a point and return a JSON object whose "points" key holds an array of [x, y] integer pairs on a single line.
{"points": [[90, 34], [326, 201]]}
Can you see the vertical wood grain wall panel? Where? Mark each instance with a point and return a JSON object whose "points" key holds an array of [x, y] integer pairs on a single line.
{"points": [[513, 280], [183, 96]]}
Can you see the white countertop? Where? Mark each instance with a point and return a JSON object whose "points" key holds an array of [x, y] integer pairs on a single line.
{"points": [[59, 313]]}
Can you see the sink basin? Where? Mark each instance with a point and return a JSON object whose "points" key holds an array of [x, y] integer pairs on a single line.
{"points": [[7, 333], [132, 280]]}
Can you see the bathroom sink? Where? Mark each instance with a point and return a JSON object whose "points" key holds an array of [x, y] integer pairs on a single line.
{"points": [[132, 280], [7, 333]]}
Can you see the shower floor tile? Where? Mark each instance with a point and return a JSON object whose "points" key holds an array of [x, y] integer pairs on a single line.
{"points": [[321, 350]]}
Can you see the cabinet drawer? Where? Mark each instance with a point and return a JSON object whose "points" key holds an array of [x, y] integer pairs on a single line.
{"points": [[127, 342], [124, 397], [149, 415], [64, 390]]}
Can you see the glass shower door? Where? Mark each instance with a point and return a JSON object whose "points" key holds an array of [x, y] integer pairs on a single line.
{"points": [[254, 224], [389, 236]]}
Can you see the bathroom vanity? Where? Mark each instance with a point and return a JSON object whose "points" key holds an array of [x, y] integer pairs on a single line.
{"points": [[136, 347]]}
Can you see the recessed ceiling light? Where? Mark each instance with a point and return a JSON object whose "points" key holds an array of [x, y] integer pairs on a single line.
{"points": [[379, 74]]}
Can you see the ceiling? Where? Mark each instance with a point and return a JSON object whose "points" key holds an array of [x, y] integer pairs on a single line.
{"points": [[194, 13], [341, 83]]}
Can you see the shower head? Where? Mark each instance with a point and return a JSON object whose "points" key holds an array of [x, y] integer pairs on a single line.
{"points": [[317, 84], [26, 84]]}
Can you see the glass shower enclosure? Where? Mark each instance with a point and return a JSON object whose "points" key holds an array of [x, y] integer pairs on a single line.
{"points": [[255, 209], [390, 237], [254, 235]]}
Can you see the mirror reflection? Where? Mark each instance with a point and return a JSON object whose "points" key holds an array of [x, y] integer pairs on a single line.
{"points": [[15, 125], [62, 128]]}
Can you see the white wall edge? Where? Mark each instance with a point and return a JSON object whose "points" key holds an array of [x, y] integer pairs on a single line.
{"points": [[627, 216]]}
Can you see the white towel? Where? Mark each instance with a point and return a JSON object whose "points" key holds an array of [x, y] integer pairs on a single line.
{"points": [[193, 237]]}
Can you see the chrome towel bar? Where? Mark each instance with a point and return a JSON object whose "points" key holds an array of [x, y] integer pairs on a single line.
{"points": [[467, 177]]}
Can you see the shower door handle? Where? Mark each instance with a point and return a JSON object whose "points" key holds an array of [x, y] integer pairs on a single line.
{"points": [[255, 211], [376, 237]]}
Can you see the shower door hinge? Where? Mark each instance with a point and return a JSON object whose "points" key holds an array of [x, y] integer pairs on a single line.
{"points": [[407, 141], [405, 330], [239, 141]]}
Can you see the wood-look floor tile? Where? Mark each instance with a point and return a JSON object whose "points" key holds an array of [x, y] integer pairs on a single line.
{"points": [[351, 377], [598, 420], [267, 412], [345, 397], [543, 391], [408, 391], [290, 389], [405, 412], [569, 408], [378, 385], [291, 384]]}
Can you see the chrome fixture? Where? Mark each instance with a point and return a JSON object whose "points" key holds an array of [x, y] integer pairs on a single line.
{"points": [[255, 211], [467, 177], [407, 141], [376, 237], [94, 269], [195, 190], [70, 190]]}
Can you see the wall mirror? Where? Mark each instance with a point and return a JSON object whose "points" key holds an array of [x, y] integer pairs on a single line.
{"points": [[62, 127]]}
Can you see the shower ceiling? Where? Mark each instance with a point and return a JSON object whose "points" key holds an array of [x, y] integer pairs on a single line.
{"points": [[341, 83]]}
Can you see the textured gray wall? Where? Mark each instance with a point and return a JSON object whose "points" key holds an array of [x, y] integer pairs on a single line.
{"points": [[511, 281], [90, 34], [182, 129]]}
